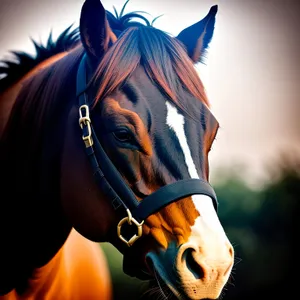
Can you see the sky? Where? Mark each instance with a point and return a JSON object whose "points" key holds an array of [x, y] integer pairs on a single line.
{"points": [[251, 74]]}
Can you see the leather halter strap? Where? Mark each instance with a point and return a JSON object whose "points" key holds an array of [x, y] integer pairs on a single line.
{"points": [[110, 180]]}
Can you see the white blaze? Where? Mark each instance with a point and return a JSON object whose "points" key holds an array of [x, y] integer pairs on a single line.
{"points": [[203, 203], [176, 122]]}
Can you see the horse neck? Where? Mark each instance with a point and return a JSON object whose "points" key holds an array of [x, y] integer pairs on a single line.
{"points": [[33, 227]]}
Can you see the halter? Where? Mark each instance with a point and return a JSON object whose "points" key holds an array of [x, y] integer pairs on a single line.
{"points": [[111, 183]]}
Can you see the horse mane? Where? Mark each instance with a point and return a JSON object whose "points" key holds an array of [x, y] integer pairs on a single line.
{"points": [[11, 70], [21, 63]]}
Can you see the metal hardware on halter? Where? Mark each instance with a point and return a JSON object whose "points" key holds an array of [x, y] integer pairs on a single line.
{"points": [[84, 120], [129, 219]]}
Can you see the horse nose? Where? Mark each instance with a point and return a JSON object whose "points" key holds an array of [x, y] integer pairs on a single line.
{"points": [[202, 267], [203, 270]]}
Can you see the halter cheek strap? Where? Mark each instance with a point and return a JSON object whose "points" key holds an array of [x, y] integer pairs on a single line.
{"points": [[111, 183]]}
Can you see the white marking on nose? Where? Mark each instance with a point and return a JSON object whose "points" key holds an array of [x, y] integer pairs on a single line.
{"points": [[208, 218], [203, 203]]}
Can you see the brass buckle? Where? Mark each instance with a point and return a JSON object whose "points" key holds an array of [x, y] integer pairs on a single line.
{"points": [[84, 120], [130, 220]]}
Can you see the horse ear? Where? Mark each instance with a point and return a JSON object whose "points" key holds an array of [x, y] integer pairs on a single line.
{"points": [[96, 35], [197, 37]]}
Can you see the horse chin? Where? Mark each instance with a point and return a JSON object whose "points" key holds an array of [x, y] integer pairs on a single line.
{"points": [[161, 281], [158, 279], [161, 290], [148, 268], [165, 283], [165, 290]]}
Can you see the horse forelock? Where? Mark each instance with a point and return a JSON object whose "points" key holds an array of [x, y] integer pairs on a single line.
{"points": [[163, 58]]}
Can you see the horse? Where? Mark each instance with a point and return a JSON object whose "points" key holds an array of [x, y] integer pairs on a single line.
{"points": [[107, 140]]}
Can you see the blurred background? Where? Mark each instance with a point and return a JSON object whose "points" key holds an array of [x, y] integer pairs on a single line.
{"points": [[252, 79]]}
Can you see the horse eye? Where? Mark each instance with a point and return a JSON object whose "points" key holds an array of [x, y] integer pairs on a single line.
{"points": [[123, 135]]}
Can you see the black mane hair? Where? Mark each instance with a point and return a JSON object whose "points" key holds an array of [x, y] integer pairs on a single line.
{"points": [[13, 69]]}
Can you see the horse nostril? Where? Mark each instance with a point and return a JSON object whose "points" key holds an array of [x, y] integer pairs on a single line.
{"points": [[191, 264]]}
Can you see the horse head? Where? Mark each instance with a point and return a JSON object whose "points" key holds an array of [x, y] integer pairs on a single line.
{"points": [[150, 115]]}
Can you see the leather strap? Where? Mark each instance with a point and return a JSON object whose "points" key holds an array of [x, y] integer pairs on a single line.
{"points": [[110, 180], [173, 192]]}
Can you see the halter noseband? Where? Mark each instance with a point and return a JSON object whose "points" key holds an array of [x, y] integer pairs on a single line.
{"points": [[111, 183]]}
